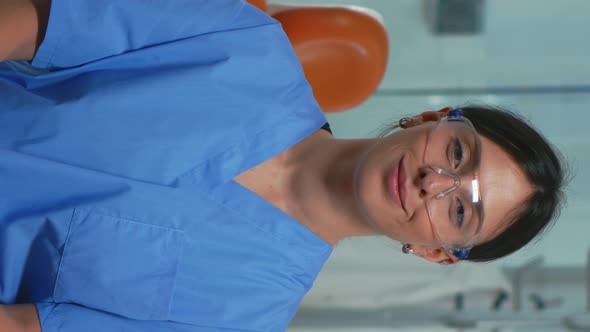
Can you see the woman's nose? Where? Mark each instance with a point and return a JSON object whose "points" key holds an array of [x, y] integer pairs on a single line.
{"points": [[437, 183]]}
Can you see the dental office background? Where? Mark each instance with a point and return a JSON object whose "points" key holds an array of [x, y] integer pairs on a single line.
{"points": [[531, 56]]}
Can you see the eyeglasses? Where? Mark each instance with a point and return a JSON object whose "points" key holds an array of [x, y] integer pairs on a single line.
{"points": [[452, 158]]}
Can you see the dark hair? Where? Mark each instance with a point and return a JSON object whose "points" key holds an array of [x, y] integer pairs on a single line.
{"points": [[543, 166]]}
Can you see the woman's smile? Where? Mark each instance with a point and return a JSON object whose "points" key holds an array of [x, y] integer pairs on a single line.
{"points": [[396, 185], [402, 185]]}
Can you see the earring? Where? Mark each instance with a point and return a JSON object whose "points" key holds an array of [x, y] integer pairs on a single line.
{"points": [[406, 122], [407, 249]]}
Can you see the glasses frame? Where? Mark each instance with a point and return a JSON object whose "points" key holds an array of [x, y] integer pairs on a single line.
{"points": [[461, 253]]}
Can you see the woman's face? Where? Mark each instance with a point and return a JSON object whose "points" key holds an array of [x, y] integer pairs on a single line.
{"points": [[401, 214]]}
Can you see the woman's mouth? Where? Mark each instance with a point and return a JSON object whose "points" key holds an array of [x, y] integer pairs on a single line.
{"points": [[395, 184]]}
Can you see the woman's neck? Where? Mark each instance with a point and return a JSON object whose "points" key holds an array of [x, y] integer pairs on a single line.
{"points": [[321, 186], [313, 182]]}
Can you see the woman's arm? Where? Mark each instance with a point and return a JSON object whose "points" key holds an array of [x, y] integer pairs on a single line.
{"points": [[19, 318], [22, 27]]}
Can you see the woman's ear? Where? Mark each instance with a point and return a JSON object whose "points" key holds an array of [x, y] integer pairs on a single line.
{"points": [[435, 116], [435, 255], [426, 117]]}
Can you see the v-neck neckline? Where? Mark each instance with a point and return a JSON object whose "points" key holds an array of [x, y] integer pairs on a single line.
{"points": [[271, 220]]}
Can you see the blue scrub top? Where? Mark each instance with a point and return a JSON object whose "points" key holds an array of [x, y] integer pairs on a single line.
{"points": [[118, 149]]}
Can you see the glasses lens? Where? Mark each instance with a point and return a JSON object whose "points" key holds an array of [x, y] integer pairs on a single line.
{"points": [[453, 154]]}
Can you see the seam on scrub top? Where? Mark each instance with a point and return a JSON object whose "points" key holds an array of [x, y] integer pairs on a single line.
{"points": [[62, 257], [179, 257], [309, 257], [48, 62], [44, 321], [242, 141], [237, 29], [127, 218], [185, 39], [147, 47]]}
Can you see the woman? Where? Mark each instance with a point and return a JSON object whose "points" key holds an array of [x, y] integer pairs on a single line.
{"points": [[164, 168]]}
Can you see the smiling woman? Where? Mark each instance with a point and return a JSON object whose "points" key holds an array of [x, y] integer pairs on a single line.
{"points": [[167, 168], [527, 174]]}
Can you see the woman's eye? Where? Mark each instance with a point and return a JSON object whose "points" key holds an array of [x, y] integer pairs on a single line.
{"points": [[459, 213], [457, 153]]}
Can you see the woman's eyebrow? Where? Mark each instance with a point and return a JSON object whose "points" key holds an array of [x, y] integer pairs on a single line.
{"points": [[470, 164]]}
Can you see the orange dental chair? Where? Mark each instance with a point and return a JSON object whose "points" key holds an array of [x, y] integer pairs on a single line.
{"points": [[343, 50]]}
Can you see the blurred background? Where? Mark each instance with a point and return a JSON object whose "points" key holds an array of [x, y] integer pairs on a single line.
{"points": [[530, 56]]}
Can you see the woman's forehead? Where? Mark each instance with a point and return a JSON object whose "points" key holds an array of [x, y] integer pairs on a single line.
{"points": [[503, 186]]}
